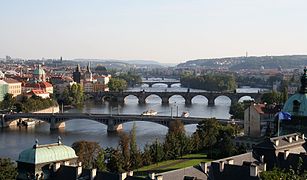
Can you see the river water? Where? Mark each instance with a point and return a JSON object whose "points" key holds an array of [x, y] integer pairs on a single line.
{"points": [[14, 139]]}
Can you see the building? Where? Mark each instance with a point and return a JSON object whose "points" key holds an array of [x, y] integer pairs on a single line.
{"points": [[3, 89], [13, 86], [88, 76], [296, 105], [40, 161], [40, 93], [77, 75], [257, 118], [45, 86], [39, 74]]}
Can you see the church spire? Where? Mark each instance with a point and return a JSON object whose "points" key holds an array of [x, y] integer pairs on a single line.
{"points": [[89, 67]]}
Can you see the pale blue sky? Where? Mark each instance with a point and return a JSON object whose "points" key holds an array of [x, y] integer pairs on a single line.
{"points": [[164, 30]]}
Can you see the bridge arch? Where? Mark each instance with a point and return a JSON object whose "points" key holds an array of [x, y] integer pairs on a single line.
{"points": [[159, 84], [222, 100], [199, 99], [176, 84], [155, 98], [131, 98], [175, 98], [245, 97]]}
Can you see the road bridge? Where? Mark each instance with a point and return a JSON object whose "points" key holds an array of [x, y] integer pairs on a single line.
{"points": [[113, 122], [168, 83], [165, 96]]}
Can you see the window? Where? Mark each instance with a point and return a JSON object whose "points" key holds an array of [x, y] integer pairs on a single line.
{"points": [[296, 106]]}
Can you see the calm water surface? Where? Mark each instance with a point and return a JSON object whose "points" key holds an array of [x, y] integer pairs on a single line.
{"points": [[13, 140]]}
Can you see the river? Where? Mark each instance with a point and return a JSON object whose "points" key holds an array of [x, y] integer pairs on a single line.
{"points": [[14, 139]]}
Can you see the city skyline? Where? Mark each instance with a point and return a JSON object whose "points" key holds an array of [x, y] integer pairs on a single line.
{"points": [[168, 32]]}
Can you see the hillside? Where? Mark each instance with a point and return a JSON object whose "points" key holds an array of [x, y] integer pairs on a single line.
{"points": [[237, 63]]}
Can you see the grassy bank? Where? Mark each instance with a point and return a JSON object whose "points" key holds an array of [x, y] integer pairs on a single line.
{"points": [[185, 161]]}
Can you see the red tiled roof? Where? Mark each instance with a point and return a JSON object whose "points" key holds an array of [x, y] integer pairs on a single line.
{"points": [[38, 91], [10, 80]]}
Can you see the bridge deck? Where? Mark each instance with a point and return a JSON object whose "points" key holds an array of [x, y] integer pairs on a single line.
{"points": [[132, 117]]}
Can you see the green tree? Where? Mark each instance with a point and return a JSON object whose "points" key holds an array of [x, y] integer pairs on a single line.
{"points": [[175, 140], [272, 97], [100, 161], [237, 110], [131, 78], [87, 152], [8, 101], [207, 131], [7, 169], [114, 160], [124, 142], [135, 153], [117, 85]]}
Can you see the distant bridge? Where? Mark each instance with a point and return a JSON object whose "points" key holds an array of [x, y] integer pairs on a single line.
{"points": [[114, 122], [165, 96], [168, 83]]}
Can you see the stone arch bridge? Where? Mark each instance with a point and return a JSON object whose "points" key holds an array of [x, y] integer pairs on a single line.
{"points": [[113, 122], [168, 83], [165, 96]]}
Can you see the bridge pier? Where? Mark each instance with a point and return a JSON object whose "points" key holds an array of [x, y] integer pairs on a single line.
{"points": [[112, 127], [165, 100], [169, 85], [211, 101], [54, 125], [142, 100], [120, 99], [3, 124], [188, 100]]}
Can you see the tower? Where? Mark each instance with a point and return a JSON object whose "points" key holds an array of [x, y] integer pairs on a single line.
{"points": [[77, 74], [88, 74]]}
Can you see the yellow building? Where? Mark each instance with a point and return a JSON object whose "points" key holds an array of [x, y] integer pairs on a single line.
{"points": [[14, 86]]}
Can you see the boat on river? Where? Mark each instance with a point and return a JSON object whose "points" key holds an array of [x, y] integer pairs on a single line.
{"points": [[150, 112], [185, 114]]}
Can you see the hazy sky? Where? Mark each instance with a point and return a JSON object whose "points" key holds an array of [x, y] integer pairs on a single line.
{"points": [[163, 30]]}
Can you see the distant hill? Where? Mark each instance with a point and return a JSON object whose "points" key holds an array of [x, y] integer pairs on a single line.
{"points": [[253, 62]]}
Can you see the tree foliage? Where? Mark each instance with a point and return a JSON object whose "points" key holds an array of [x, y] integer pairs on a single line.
{"points": [[72, 95], [88, 152], [131, 78], [209, 82], [237, 110], [7, 169], [117, 84], [273, 97], [8, 101]]}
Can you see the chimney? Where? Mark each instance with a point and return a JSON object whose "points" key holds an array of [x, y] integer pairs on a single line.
{"points": [[303, 136], [276, 142], [93, 174], [290, 139], [264, 167], [296, 137], [159, 177], [79, 171], [286, 154], [56, 166], [253, 170], [123, 176], [130, 173], [66, 163], [204, 167], [230, 161], [152, 176], [262, 158], [221, 166]]}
